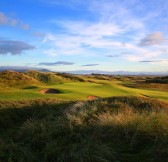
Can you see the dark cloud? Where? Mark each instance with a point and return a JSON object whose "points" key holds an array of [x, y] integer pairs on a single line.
{"points": [[14, 47], [56, 63], [112, 55], [153, 39], [90, 65], [146, 61]]}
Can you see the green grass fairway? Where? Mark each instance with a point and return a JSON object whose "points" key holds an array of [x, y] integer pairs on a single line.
{"points": [[80, 91]]}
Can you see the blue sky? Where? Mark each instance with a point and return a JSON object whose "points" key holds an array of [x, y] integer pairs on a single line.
{"points": [[61, 35]]}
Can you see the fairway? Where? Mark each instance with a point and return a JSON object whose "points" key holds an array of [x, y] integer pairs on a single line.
{"points": [[80, 91]]}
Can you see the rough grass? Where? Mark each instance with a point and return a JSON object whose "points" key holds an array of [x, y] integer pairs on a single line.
{"points": [[146, 82], [125, 129], [53, 78], [16, 79], [46, 77]]}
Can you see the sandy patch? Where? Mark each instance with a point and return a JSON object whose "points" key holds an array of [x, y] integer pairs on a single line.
{"points": [[53, 91], [93, 97]]}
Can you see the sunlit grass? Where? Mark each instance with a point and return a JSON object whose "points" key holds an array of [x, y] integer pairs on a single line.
{"points": [[80, 91]]}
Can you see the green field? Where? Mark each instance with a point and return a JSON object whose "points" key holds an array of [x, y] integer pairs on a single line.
{"points": [[80, 91]]}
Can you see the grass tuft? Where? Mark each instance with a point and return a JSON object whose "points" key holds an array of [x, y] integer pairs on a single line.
{"points": [[124, 129]]}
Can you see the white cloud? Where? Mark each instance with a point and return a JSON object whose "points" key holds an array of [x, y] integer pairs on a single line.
{"points": [[76, 45], [78, 37], [115, 27], [117, 12], [85, 45], [97, 29], [139, 54]]}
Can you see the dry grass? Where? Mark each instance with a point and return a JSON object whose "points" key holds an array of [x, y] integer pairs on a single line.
{"points": [[121, 129]]}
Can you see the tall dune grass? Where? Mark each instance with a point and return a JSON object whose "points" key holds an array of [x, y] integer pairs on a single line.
{"points": [[115, 129]]}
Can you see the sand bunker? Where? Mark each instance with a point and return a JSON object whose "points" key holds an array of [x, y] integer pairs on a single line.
{"points": [[93, 97], [53, 91]]}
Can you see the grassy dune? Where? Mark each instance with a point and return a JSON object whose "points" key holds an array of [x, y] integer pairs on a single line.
{"points": [[125, 129]]}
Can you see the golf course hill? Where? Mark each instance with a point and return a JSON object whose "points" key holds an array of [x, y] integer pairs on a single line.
{"points": [[52, 77], [161, 80], [19, 79], [45, 77], [16, 79]]}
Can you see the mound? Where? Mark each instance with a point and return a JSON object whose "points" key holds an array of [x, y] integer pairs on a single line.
{"points": [[46, 77], [12, 78], [70, 77], [124, 129], [54, 91], [161, 80]]}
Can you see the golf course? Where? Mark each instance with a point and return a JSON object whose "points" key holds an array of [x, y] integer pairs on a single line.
{"points": [[84, 81], [59, 117], [70, 89]]}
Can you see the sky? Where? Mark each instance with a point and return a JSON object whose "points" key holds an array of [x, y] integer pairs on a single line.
{"points": [[69, 35]]}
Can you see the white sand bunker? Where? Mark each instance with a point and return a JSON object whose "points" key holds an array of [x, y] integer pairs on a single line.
{"points": [[52, 91]]}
